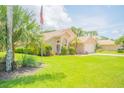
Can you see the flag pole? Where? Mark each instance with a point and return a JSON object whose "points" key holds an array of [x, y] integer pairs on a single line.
{"points": [[42, 28]]}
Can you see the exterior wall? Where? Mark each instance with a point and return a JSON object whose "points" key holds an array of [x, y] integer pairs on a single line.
{"points": [[109, 47], [80, 48]]}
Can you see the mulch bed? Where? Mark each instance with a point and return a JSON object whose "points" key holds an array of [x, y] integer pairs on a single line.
{"points": [[23, 71]]}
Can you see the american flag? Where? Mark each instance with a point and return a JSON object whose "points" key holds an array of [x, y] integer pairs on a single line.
{"points": [[41, 16]]}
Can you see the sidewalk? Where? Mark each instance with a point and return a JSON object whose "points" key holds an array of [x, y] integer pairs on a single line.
{"points": [[100, 54]]}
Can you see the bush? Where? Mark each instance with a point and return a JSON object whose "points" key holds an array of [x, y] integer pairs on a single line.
{"points": [[64, 50], [120, 50], [25, 51], [28, 61], [52, 53], [72, 51], [19, 50], [47, 50]]}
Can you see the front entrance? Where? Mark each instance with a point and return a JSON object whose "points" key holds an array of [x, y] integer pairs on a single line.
{"points": [[58, 48]]}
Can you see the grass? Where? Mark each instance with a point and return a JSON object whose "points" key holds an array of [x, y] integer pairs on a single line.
{"points": [[109, 52], [73, 72]]}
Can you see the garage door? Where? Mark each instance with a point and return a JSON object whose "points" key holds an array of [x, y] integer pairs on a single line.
{"points": [[89, 48]]}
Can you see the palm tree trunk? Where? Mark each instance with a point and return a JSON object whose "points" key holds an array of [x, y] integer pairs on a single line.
{"points": [[9, 55]]}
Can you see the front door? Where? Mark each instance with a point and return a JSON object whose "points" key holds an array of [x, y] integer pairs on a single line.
{"points": [[58, 48]]}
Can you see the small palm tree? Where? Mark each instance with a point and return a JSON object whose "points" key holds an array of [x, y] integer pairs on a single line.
{"points": [[79, 32]]}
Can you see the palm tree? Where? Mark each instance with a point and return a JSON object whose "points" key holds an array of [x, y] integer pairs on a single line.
{"points": [[9, 54], [120, 41], [92, 33], [24, 28], [79, 32], [3, 27]]}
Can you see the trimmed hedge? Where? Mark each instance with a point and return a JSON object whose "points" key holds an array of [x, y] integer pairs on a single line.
{"points": [[47, 51], [24, 51]]}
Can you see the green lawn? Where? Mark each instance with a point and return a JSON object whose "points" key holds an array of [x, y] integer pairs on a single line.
{"points": [[73, 71]]}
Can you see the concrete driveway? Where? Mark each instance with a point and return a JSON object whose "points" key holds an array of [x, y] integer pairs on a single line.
{"points": [[100, 54]]}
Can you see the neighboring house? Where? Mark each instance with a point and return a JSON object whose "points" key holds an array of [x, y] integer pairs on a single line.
{"points": [[107, 45], [86, 45], [57, 39]]}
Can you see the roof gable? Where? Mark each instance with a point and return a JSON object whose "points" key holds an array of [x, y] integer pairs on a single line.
{"points": [[58, 33]]}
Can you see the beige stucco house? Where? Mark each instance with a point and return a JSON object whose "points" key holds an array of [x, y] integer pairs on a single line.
{"points": [[57, 39], [108, 45]]}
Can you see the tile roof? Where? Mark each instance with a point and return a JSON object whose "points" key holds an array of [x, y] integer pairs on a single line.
{"points": [[58, 33], [106, 42]]}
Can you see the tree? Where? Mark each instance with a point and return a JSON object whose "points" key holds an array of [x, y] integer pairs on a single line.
{"points": [[91, 33], [9, 55], [94, 33], [104, 38], [25, 29], [120, 41], [3, 27], [78, 31], [24, 26]]}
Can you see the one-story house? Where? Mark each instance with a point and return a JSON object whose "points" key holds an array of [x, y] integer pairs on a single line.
{"points": [[64, 37], [108, 45]]}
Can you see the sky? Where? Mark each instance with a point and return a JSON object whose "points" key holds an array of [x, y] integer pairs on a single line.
{"points": [[106, 20]]}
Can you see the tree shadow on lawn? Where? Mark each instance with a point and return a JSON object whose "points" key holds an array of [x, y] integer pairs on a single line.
{"points": [[31, 79]]}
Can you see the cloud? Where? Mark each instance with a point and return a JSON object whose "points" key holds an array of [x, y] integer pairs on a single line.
{"points": [[35, 11], [56, 17]]}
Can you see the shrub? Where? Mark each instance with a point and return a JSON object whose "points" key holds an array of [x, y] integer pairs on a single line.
{"points": [[24, 51], [52, 53], [47, 50], [28, 61], [120, 50], [19, 50], [64, 50], [72, 51]]}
